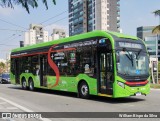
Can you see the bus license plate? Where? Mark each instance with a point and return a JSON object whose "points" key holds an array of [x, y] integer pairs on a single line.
{"points": [[138, 94]]}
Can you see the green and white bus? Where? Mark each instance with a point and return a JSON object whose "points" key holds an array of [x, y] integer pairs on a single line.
{"points": [[95, 63]]}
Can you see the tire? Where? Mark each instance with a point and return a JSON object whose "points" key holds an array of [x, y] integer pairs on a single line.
{"points": [[83, 90], [1, 82], [24, 84], [31, 84]]}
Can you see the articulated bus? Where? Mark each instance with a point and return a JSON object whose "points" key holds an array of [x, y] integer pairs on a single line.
{"points": [[95, 63]]}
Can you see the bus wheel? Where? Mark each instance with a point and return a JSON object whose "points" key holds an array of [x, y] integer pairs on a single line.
{"points": [[31, 85], [24, 84], [83, 90]]}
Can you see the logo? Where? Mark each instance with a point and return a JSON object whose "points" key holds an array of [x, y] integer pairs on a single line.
{"points": [[6, 115]]}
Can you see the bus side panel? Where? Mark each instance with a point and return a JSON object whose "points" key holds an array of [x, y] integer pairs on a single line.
{"points": [[70, 84], [64, 84], [12, 78]]}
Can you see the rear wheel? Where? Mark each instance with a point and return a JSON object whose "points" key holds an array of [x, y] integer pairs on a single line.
{"points": [[24, 84], [83, 90], [31, 85]]}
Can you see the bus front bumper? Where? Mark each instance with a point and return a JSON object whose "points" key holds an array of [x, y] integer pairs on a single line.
{"points": [[127, 91]]}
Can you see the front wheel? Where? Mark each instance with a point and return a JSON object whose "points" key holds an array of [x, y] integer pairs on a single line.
{"points": [[31, 85], [83, 90]]}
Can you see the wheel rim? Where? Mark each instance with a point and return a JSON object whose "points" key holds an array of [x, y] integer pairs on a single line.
{"points": [[31, 85], [84, 90], [24, 84]]}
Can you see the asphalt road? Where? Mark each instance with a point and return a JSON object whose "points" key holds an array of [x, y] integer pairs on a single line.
{"points": [[14, 99]]}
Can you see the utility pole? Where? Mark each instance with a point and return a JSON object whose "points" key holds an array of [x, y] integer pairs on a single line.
{"points": [[157, 56]]}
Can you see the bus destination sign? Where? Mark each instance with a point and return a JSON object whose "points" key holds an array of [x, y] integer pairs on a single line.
{"points": [[130, 45]]}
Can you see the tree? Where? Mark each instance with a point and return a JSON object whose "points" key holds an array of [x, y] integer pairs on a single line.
{"points": [[156, 30], [2, 66], [25, 3]]}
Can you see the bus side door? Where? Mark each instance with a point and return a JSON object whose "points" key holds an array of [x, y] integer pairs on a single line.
{"points": [[105, 70]]}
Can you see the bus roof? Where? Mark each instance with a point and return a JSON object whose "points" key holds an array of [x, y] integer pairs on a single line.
{"points": [[96, 33]]}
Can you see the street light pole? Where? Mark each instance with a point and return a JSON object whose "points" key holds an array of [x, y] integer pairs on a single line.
{"points": [[157, 55]]}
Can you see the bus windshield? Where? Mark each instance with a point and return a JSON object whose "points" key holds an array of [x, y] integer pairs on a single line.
{"points": [[132, 63]]}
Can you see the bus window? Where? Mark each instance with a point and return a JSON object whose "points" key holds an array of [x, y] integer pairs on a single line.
{"points": [[35, 64], [86, 60]]}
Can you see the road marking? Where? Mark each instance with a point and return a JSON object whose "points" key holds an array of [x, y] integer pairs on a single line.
{"points": [[22, 108], [17, 105], [1, 103], [12, 108]]}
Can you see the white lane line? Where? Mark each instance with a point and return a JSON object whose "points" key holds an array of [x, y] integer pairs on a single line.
{"points": [[22, 108], [16, 105]]}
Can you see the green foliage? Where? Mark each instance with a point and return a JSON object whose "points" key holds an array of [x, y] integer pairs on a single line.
{"points": [[2, 66], [157, 12], [25, 3], [158, 66], [156, 86], [156, 30]]}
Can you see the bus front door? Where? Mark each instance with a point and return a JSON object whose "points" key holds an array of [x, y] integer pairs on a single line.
{"points": [[105, 72]]}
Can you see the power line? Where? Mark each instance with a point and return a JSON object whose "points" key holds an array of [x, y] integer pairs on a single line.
{"points": [[40, 23], [8, 37], [62, 18], [56, 21], [8, 45], [15, 37], [54, 16], [12, 24], [12, 30]]}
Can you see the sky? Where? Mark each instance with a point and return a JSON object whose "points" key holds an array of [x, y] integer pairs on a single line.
{"points": [[14, 22]]}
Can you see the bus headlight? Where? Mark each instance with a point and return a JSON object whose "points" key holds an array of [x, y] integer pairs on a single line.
{"points": [[121, 84]]}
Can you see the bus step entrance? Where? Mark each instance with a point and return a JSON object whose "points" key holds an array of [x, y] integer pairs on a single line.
{"points": [[109, 91]]}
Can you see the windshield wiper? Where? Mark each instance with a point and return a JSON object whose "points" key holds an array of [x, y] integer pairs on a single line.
{"points": [[139, 52], [130, 57]]}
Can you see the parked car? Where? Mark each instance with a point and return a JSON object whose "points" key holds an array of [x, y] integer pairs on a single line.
{"points": [[5, 78], [0, 77]]}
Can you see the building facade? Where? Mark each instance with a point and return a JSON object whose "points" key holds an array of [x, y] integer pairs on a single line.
{"points": [[58, 34], [35, 35], [89, 15], [151, 40]]}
